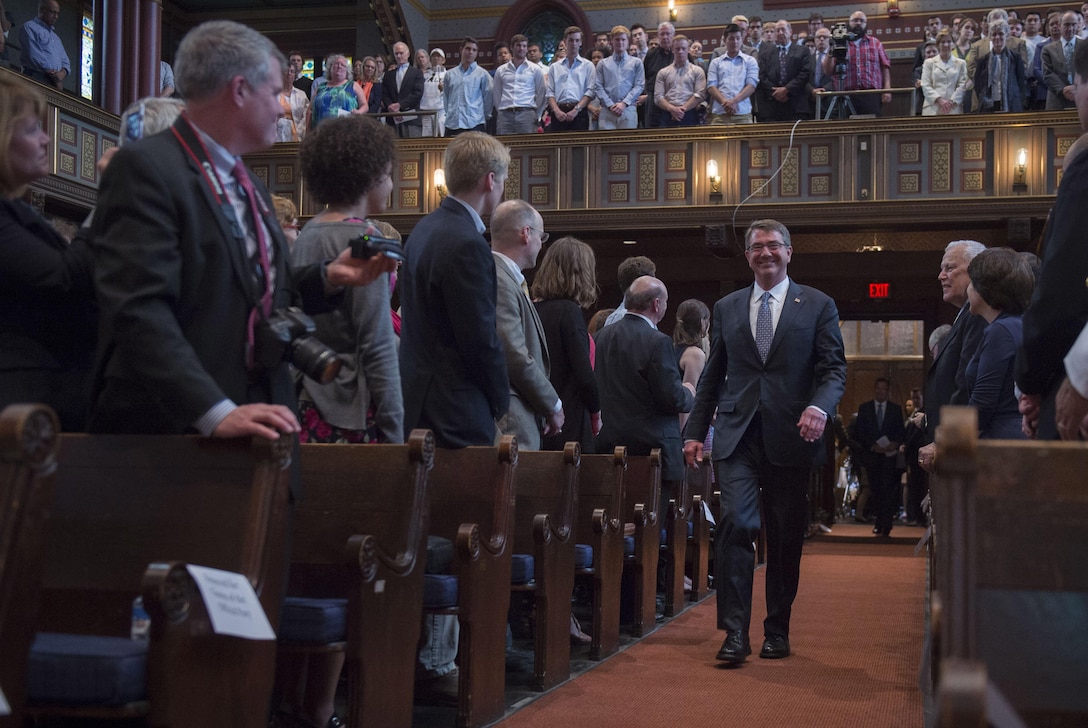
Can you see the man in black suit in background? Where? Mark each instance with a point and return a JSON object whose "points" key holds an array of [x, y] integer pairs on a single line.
{"points": [[880, 430], [402, 90], [775, 373], [946, 382], [641, 392], [785, 70], [189, 258]]}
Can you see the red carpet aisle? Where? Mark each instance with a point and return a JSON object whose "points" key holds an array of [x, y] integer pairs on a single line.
{"points": [[857, 637]]}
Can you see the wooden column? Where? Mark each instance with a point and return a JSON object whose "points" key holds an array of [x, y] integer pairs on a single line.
{"points": [[150, 48], [110, 25]]}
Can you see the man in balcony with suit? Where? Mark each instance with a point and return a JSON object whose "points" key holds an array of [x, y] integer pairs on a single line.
{"points": [[785, 70], [879, 431], [402, 90], [1058, 66], [775, 373], [517, 235]]}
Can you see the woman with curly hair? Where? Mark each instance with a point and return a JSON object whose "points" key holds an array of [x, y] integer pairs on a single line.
{"points": [[346, 163], [565, 284], [339, 95], [689, 342]]}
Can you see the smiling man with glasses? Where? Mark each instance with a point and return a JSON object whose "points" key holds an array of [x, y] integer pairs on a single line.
{"points": [[776, 370]]}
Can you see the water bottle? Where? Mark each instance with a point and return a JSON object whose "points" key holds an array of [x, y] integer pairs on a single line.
{"points": [[141, 620]]}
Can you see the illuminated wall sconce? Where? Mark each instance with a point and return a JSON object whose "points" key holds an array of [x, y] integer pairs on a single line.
{"points": [[440, 182], [672, 11], [715, 180], [1020, 178], [893, 8]]}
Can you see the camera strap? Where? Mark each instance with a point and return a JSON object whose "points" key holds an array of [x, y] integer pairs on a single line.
{"points": [[194, 146]]}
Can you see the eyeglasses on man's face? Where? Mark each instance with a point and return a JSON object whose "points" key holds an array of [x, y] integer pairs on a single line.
{"points": [[543, 235], [758, 248]]}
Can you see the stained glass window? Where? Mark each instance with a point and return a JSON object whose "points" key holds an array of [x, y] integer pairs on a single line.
{"points": [[86, 57]]}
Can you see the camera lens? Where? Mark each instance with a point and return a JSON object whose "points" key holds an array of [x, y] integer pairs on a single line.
{"points": [[314, 359]]}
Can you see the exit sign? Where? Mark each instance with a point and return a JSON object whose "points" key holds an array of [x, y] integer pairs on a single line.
{"points": [[879, 290]]}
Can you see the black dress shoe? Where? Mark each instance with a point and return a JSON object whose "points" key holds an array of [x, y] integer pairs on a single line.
{"points": [[775, 647], [734, 649]]}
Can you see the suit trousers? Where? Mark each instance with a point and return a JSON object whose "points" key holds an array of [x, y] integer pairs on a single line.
{"points": [[884, 480], [745, 477]]}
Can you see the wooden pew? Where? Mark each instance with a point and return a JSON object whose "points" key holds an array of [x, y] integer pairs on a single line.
{"points": [[546, 505], [29, 435], [600, 525], [674, 545], [473, 505], [1013, 577], [360, 532], [129, 513], [641, 506], [701, 489]]}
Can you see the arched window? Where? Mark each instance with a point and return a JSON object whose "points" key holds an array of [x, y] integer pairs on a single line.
{"points": [[547, 30]]}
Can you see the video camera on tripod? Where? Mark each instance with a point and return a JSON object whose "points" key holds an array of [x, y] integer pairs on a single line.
{"points": [[841, 37]]}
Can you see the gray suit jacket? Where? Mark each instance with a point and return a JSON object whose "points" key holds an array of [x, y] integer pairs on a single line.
{"points": [[532, 396], [1055, 74], [806, 365]]}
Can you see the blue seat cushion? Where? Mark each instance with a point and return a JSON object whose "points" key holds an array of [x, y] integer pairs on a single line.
{"points": [[439, 591], [691, 531], [76, 669], [439, 555], [522, 568], [583, 556], [628, 545], [314, 620]]}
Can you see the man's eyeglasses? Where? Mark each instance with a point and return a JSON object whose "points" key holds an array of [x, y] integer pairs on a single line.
{"points": [[769, 247], [543, 235]]}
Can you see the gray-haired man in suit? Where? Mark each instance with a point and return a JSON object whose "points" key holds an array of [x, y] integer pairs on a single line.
{"points": [[517, 235], [775, 373]]}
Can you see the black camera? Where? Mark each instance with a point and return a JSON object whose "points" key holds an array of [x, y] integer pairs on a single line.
{"points": [[370, 244], [841, 37], [287, 335]]}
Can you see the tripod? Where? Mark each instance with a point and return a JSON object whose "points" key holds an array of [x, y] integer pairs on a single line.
{"points": [[841, 107]]}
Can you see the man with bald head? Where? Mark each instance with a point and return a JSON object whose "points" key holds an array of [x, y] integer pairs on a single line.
{"points": [[402, 90], [43, 56], [517, 235], [639, 379]]}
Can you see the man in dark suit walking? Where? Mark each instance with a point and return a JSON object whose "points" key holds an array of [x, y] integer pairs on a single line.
{"points": [[189, 258], [879, 431], [775, 373], [402, 90], [639, 378], [785, 71], [451, 360]]}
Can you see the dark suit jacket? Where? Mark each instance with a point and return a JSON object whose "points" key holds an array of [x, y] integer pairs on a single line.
{"points": [[410, 94], [805, 366], [867, 432], [946, 382], [451, 361], [641, 393], [1059, 305], [48, 317], [800, 67], [1017, 84], [175, 291], [1055, 74], [571, 372]]}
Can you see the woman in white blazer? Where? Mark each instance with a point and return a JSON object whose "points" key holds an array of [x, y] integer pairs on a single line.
{"points": [[944, 79]]}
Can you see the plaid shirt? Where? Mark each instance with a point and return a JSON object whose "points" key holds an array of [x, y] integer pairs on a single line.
{"points": [[864, 65]]}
